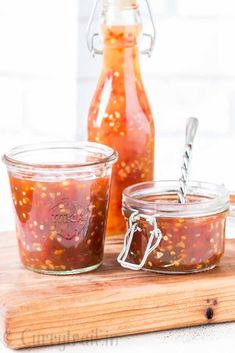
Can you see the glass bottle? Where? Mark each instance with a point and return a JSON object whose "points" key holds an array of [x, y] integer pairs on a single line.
{"points": [[120, 115]]}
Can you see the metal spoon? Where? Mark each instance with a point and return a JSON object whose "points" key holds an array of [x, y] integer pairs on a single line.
{"points": [[191, 130]]}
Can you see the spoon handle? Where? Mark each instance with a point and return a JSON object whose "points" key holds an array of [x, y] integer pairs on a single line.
{"points": [[191, 130]]}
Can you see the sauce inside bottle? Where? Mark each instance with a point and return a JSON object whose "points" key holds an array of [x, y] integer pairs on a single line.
{"points": [[120, 115]]}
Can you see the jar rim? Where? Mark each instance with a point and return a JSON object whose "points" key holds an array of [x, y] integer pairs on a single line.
{"points": [[102, 155], [214, 199]]}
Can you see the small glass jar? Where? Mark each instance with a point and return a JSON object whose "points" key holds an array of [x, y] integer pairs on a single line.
{"points": [[168, 237], [60, 192]]}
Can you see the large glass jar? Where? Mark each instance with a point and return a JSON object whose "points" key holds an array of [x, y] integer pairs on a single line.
{"points": [[120, 114], [168, 237], [60, 193]]}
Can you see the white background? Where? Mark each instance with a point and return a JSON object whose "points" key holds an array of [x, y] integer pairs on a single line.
{"points": [[47, 78]]}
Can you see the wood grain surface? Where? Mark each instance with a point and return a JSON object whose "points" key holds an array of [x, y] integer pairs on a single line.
{"points": [[38, 310]]}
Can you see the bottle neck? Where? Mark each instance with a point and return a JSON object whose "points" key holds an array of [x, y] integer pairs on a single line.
{"points": [[121, 52], [126, 61]]}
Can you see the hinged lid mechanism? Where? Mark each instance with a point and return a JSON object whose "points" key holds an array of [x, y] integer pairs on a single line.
{"points": [[102, 7]]}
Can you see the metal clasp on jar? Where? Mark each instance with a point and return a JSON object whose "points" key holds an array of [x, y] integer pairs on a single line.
{"points": [[155, 237]]}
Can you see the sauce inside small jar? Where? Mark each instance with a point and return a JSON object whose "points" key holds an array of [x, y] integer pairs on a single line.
{"points": [[192, 235], [60, 204]]}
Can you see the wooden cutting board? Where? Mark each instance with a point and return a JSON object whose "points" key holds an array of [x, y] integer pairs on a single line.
{"points": [[39, 310]]}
